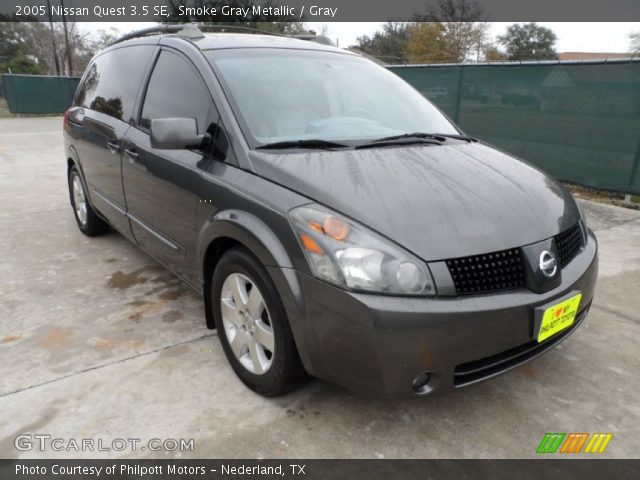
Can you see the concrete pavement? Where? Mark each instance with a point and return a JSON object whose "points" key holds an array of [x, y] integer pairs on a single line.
{"points": [[98, 341]]}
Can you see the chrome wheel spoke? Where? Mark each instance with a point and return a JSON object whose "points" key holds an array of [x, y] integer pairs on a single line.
{"points": [[264, 335], [238, 342], [230, 313], [258, 358], [255, 304], [238, 290], [83, 212]]}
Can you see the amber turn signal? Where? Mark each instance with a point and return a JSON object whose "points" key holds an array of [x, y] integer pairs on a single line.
{"points": [[310, 244]]}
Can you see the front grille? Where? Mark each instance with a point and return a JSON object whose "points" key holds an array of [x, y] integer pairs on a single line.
{"points": [[491, 272], [569, 243], [478, 370]]}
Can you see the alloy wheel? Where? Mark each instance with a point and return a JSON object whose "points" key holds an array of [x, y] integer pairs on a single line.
{"points": [[247, 323], [79, 200]]}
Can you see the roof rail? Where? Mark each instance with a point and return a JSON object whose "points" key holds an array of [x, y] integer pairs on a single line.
{"points": [[146, 31], [240, 28], [194, 31], [187, 30], [312, 37]]}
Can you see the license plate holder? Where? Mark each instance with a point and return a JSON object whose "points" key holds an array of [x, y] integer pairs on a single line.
{"points": [[556, 316]]}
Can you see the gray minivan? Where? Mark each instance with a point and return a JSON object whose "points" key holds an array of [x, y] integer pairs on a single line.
{"points": [[336, 223]]}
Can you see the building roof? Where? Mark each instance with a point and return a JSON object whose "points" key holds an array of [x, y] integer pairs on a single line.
{"points": [[580, 56]]}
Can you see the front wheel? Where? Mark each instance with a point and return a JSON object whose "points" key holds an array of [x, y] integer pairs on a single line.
{"points": [[88, 221], [253, 327]]}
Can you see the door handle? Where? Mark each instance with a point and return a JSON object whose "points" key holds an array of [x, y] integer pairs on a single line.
{"points": [[132, 155], [113, 147]]}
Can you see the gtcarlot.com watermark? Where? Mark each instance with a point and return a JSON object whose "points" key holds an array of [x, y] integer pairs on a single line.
{"points": [[45, 442]]}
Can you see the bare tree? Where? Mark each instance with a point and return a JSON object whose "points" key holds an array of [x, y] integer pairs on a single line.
{"points": [[37, 48], [54, 48], [635, 43], [67, 47]]}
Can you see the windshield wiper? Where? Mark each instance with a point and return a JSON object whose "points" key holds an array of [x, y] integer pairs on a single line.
{"points": [[406, 139], [416, 137], [431, 136], [314, 144], [457, 137]]}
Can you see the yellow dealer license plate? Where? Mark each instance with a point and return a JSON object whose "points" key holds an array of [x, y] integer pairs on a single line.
{"points": [[558, 317]]}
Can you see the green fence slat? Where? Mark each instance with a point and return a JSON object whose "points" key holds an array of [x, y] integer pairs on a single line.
{"points": [[38, 94], [580, 122]]}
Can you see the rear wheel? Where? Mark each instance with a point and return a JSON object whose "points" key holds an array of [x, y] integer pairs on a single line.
{"points": [[252, 325], [88, 221]]}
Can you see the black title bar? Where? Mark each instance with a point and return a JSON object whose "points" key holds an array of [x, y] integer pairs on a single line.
{"points": [[317, 10]]}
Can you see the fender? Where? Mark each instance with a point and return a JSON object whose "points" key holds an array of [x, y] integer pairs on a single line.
{"points": [[73, 155], [258, 237], [247, 229]]}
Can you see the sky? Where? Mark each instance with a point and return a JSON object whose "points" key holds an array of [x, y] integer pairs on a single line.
{"points": [[572, 37]]}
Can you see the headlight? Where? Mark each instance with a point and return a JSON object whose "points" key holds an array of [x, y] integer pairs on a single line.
{"points": [[346, 254]]}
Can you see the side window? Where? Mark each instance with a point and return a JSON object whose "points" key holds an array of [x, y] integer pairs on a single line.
{"points": [[176, 90], [113, 79]]}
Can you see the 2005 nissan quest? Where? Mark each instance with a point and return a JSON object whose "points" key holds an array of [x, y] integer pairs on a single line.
{"points": [[337, 224]]}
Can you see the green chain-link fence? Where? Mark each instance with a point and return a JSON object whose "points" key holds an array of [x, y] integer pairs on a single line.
{"points": [[578, 121], [38, 94]]}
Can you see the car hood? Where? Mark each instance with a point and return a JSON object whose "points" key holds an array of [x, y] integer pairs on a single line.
{"points": [[439, 202]]}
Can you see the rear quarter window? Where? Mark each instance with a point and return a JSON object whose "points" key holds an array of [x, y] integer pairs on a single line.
{"points": [[113, 79]]}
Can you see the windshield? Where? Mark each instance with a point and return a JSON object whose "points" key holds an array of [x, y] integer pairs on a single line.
{"points": [[288, 95]]}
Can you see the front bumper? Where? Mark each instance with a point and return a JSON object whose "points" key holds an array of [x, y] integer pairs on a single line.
{"points": [[379, 344]]}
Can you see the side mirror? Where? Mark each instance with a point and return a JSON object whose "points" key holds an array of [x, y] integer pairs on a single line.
{"points": [[175, 134]]}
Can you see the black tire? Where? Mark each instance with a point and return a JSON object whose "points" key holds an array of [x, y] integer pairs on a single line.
{"points": [[92, 225], [285, 372]]}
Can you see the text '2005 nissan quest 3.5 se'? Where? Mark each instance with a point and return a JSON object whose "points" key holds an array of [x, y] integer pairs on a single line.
{"points": [[336, 223]]}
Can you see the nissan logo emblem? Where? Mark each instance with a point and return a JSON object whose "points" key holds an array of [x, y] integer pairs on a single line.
{"points": [[548, 264]]}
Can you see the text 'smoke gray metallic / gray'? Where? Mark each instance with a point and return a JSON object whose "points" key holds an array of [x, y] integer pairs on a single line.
{"points": [[336, 223]]}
